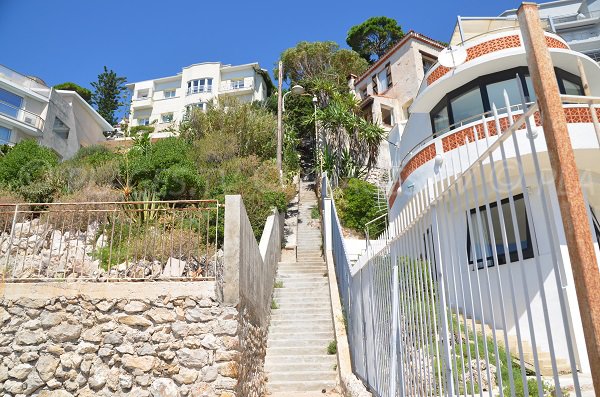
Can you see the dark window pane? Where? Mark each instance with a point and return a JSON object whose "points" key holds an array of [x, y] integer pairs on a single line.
{"points": [[572, 88], [495, 93], [440, 120], [467, 105]]}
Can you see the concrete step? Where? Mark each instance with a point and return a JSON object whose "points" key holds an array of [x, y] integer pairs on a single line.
{"points": [[304, 376], [301, 277], [299, 342], [322, 366], [301, 273], [299, 292], [298, 351], [300, 386], [301, 334], [303, 359], [279, 326], [297, 264], [306, 316]]}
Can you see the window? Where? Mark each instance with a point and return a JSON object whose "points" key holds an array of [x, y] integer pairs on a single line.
{"points": [[237, 84], [60, 128], [388, 73], [467, 105], [10, 103], [169, 93], [441, 120], [143, 121], [387, 116], [428, 62], [143, 94], [495, 92], [166, 117], [596, 225], [5, 134], [374, 81], [479, 251], [199, 85], [477, 97]]}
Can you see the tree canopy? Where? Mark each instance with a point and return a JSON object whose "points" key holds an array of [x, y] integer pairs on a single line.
{"points": [[374, 37], [70, 86], [108, 94], [321, 59]]}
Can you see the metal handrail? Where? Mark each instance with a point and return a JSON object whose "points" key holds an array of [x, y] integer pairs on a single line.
{"points": [[461, 123], [581, 16], [199, 90], [39, 124]]}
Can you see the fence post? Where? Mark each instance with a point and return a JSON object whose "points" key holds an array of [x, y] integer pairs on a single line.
{"points": [[327, 225], [441, 291], [395, 331], [566, 178]]}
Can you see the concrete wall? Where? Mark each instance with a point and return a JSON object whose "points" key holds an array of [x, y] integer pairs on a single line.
{"points": [[248, 278], [127, 339]]}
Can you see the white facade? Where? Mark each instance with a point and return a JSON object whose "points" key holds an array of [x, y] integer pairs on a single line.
{"points": [[387, 88], [576, 21], [452, 104], [58, 119], [163, 102]]}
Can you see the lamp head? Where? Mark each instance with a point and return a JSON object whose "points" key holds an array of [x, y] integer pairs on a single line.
{"points": [[297, 90]]}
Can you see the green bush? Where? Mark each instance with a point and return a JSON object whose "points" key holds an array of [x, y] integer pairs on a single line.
{"points": [[141, 128], [94, 156], [332, 347], [40, 191], [357, 204], [83, 92], [180, 183], [26, 163]]}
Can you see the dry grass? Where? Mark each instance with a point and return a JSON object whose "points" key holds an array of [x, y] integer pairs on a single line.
{"points": [[75, 216], [7, 210]]}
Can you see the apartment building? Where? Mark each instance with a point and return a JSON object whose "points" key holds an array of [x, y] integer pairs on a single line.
{"points": [[164, 102], [58, 119], [386, 90], [576, 21]]}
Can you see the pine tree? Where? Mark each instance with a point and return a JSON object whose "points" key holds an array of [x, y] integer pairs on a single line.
{"points": [[108, 95]]}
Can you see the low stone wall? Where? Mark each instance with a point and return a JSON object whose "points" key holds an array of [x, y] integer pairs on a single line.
{"points": [[117, 339]]}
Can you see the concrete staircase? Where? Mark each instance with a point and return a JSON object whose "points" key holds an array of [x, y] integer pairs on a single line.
{"points": [[297, 363]]}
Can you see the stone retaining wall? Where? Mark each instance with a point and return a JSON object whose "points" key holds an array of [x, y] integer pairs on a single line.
{"points": [[117, 339]]}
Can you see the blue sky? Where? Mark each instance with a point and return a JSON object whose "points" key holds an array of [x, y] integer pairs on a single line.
{"points": [[71, 40]]}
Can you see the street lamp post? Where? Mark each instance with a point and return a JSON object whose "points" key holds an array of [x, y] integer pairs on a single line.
{"points": [[318, 157], [296, 90]]}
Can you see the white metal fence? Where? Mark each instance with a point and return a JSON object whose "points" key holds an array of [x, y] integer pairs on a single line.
{"points": [[471, 291]]}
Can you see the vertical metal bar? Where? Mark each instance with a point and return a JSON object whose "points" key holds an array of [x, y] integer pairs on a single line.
{"points": [[566, 177], [441, 292]]}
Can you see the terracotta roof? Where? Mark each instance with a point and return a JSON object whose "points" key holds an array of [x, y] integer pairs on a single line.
{"points": [[410, 35]]}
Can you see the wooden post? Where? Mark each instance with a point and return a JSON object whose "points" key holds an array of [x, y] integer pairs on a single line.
{"points": [[279, 121], [566, 178]]}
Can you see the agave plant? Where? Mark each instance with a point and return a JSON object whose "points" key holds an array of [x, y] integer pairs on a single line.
{"points": [[143, 207]]}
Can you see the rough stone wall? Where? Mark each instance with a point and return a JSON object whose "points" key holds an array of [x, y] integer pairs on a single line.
{"points": [[82, 346]]}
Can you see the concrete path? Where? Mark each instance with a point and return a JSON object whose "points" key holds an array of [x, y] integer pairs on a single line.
{"points": [[297, 362]]}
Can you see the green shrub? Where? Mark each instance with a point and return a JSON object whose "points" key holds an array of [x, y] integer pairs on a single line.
{"points": [[40, 191], [26, 163], [332, 347], [357, 204], [141, 128], [180, 183], [314, 213], [82, 91], [94, 156]]}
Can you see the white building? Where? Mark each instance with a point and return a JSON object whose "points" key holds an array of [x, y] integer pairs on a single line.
{"points": [[448, 129], [58, 119], [576, 21], [386, 90], [163, 102]]}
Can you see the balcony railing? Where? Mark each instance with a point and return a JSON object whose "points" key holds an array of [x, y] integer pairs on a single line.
{"points": [[22, 115], [199, 89], [234, 85], [24, 81], [576, 17]]}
